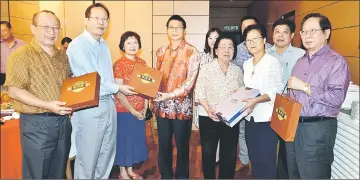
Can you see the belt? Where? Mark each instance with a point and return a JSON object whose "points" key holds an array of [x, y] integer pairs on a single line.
{"points": [[306, 119], [48, 114]]}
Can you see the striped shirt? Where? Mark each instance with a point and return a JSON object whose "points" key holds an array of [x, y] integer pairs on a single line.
{"points": [[32, 69], [328, 75], [205, 58]]}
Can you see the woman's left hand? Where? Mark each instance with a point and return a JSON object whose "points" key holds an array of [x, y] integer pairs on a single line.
{"points": [[251, 103]]}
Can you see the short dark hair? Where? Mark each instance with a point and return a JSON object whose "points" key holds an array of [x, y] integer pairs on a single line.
{"points": [[178, 18], [35, 17], [66, 40], [8, 25], [88, 9], [324, 22], [217, 42], [259, 27], [126, 35], [249, 18], [207, 48], [286, 22]]}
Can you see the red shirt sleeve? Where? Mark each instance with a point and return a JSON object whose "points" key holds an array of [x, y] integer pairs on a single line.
{"points": [[119, 69]]}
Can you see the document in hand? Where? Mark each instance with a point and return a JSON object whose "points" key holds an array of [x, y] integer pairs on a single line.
{"points": [[231, 111]]}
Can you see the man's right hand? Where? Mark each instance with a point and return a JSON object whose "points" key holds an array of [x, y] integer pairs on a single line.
{"points": [[126, 90], [58, 107]]}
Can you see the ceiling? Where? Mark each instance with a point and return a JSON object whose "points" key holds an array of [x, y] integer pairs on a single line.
{"points": [[229, 3]]}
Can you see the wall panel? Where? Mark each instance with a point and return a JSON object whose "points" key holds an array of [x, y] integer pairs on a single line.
{"points": [[342, 14]]}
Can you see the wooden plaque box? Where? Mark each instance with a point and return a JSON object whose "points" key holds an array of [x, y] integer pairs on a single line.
{"points": [[81, 92], [145, 80]]}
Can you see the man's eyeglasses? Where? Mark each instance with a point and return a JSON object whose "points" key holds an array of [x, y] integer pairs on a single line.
{"points": [[175, 28], [254, 40], [49, 28], [98, 19], [310, 32]]}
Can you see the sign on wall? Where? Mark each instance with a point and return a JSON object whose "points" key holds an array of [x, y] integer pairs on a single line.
{"points": [[234, 28]]}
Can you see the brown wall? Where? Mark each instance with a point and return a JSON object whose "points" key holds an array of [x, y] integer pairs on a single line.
{"points": [[4, 11], [343, 15], [21, 13]]}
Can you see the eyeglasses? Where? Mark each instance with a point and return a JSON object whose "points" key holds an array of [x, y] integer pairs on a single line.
{"points": [[48, 28], [175, 28], [310, 32], [99, 19], [254, 40]]}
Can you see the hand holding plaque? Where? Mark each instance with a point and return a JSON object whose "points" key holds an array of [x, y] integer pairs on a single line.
{"points": [[145, 80]]}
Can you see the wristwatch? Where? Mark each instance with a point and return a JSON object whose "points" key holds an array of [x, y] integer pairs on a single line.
{"points": [[306, 88]]}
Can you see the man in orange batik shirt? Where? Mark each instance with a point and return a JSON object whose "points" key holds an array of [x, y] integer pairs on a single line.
{"points": [[179, 62]]}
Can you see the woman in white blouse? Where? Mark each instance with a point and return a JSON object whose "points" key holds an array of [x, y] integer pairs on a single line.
{"points": [[262, 72], [218, 80]]}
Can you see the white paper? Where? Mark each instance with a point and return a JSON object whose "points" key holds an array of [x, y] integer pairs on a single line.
{"points": [[231, 110]]}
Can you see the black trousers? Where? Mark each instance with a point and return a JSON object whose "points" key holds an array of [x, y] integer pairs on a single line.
{"points": [[261, 141], [45, 143], [182, 130], [311, 154], [2, 78], [282, 170], [210, 134]]}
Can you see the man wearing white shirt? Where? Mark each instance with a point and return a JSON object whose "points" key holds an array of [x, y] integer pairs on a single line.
{"points": [[264, 73], [95, 128], [283, 33]]}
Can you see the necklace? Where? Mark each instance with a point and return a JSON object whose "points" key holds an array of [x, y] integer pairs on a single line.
{"points": [[255, 64]]}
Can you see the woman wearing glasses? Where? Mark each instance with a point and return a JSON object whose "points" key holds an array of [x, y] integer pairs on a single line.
{"points": [[216, 82], [131, 144], [262, 72]]}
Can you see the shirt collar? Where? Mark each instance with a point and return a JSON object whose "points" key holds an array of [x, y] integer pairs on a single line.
{"points": [[181, 45], [16, 42], [289, 49], [91, 39], [320, 52], [231, 64], [37, 48], [242, 44], [125, 58]]}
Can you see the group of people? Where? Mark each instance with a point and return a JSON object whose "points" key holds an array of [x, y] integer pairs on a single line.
{"points": [[114, 132]]}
